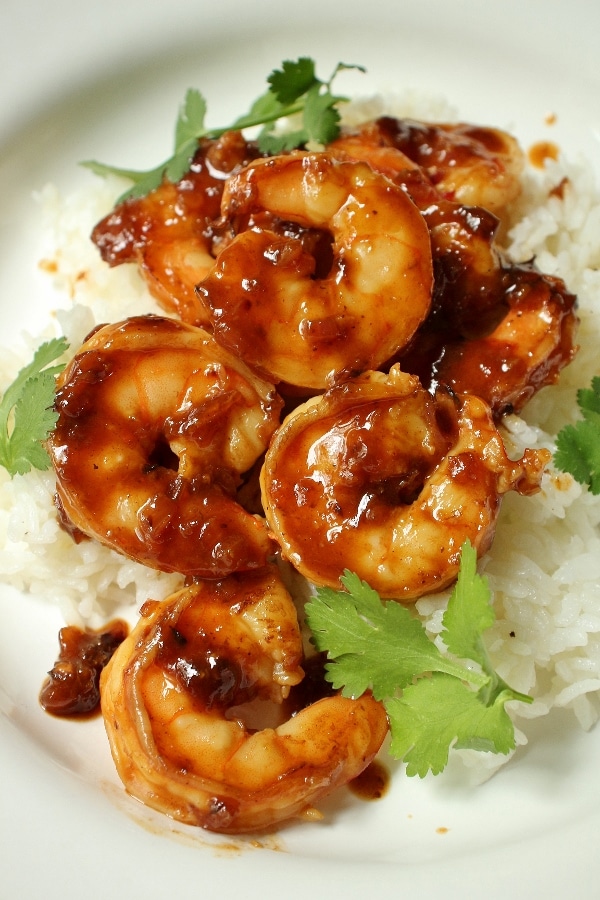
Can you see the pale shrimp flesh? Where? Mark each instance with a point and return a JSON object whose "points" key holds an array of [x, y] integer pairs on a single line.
{"points": [[179, 698], [167, 233], [505, 363], [312, 317], [380, 477], [157, 425], [468, 267], [472, 165], [496, 329]]}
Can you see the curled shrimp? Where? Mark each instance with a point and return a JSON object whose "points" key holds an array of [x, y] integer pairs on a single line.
{"points": [[379, 477], [156, 426], [175, 697], [498, 330], [167, 233], [470, 164], [507, 364], [311, 318]]}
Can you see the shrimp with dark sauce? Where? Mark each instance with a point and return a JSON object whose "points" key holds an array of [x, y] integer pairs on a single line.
{"points": [[268, 302], [379, 477], [175, 697], [157, 425]]}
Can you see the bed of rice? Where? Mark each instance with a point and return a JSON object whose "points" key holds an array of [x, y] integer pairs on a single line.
{"points": [[544, 566]]}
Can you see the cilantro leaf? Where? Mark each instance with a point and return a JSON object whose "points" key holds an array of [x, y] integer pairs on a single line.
{"points": [[293, 80], [578, 446], [578, 453], [265, 108], [439, 712], [321, 118], [433, 700], [191, 117], [470, 612], [26, 411], [589, 401], [293, 90], [271, 142], [370, 644]]}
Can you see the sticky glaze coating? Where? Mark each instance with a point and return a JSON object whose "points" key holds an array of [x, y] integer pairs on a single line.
{"points": [[509, 363], [378, 477], [469, 164], [72, 687], [310, 321], [173, 700], [497, 330], [168, 233], [156, 426]]}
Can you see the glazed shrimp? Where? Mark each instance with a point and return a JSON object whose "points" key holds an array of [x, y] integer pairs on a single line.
{"points": [[498, 330], [469, 164], [468, 268], [167, 233], [173, 700], [507, 364], [379, 477], [311, 322], [156, 426]]}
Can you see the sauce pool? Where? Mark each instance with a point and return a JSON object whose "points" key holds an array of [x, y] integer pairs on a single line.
{"points": [[372, 784], [540, 152]]}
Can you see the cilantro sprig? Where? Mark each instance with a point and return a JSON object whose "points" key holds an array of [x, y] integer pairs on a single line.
{"points": [[294, 89], [26, 411], [578, 446], [434, 700]]}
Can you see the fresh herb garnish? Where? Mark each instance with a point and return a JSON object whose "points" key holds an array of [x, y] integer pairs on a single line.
{"points": [[578, 446], [293, 89], [433, 700], [26, 411]]}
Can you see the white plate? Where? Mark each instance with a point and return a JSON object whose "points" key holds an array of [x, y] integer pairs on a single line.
{"points": [[103, 79]]}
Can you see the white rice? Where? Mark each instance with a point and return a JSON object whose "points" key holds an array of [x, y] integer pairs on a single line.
{"points": [[544, 566]]}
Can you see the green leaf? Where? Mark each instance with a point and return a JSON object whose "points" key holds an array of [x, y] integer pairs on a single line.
{"points": [[180, 163], [578, 453], [373, 645], [26, 411], [589, 400], [265, 109], [439, 712], [578, 446], [469, 612], [190, 121], [271, 142], [293, 89], [433, 700], [321, 118], [293, 80]]}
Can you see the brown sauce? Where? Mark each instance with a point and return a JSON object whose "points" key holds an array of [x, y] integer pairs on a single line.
{"points": [[540, 152], [372, 783], [72, 687]]}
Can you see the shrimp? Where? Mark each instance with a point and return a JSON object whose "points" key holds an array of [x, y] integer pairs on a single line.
{"points": [[175, 700], [496, 329], [470, 164], [379, 477], [507, 364], [156, 426], [168, 231], [311, 322]]}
